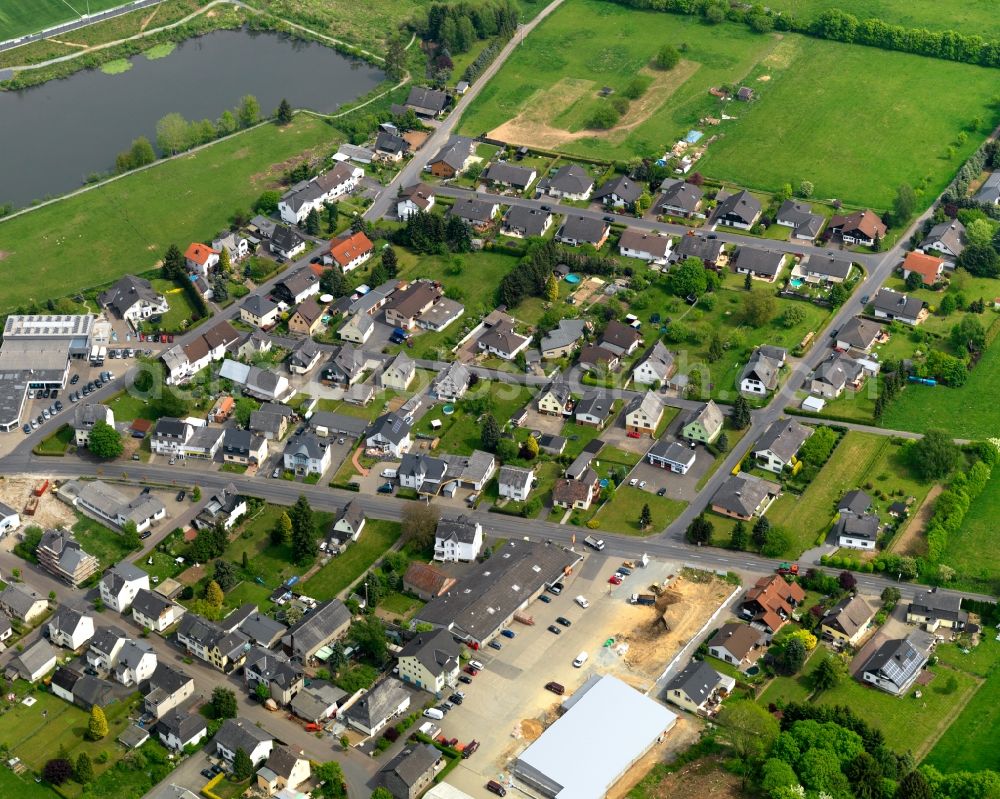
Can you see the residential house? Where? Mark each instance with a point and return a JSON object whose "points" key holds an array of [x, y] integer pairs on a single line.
{"points": [[309, 195], [452, 382], [515, 483], [351, 250], [10, 519], [398, 373], [390, 147], [744, 496], [23, 603], [452, 159], [856, 531], [656, 368], [708, 251], [649, 247], [643, 414], [105, 646], [169, 436], [738, 644], [407, 304], [318, 701], [848, 620], [204, 443], [286, 243], [70, 628], [133, 299], [579, 494], [201, 259], [274, 670], [270, 421], [225, 506], [619, 338], [426, 102], [307, 318], [929, 267], [523, 222], [480, 214], [37, 660], [305, 357], [679, 198], [430, 661], [136, 663], [389, 434], [861, 227], [895, 666], [501, 340], [769, 605], [563, 339], [384, 701], [569, 182], [109, 505], [284, 771], [441, 314], [261, 630], [598, 359], [760, 375], [412, 771], [197, 634], [458, 540], [594, 408], [426, 581], [120, 584], [947, 240], [509, 176], [825, 269], [759, 264], [418, 198], [60, 554], [348, 364], [740, 210], [556, 399], [839, 372], [179, 729], [306, 454], [698, 688], [577, 230], [239, 733], [327, 622], [357, 329], [297, 287], [6, 630], [222, 409], [237, 246], [349, 523], [776, 449], [154, 611], [620, 192], [989, 192], [185, 360], [858, 334], [895, 306], [934, 609], [799, 216], [672, 455], [704, 424], [166, 689], [243, 447]]}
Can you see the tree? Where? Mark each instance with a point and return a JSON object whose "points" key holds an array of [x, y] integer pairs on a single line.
{"points": [[390, 262], [934, 456], [761, 528], [847, 581], [865, 775], [903, 204], [806, 189], [304, 546], [758, 307], [312, 222], [243, 408], [381, 793], [750, 730], [838, 295], [281, 533], [738, 538], [890, 595], [242, 766], [172, 133], [395, 59], [213, 594], [980, 260], [368, 634], [748, 282], [776, 774], [489, 433], [716, 348], [331, 775], [104, 441], [914, 786], [97, 728], [223, 703], [262, 692], [419, 523], [552, 289], [130, 536], [914, 281], [793, 315], [714, 14], [809, 641], [643, 202], [57, 771], [667, 57], [226, 574], [267, 203], [826, 675], [249, 111], [645, 517], [740, 417], [284, 113], [174, 265], [689, 277], [980, 232], [791, 656], [84, 770], [700, 530], [530, 448]]}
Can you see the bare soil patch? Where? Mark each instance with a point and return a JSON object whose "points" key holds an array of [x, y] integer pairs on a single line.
{"points": [[15, 490], [911, 541], [533, 125], [684, 734], [705, 779]]}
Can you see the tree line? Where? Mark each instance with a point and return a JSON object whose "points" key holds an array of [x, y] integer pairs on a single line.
{"points": [[457, 26]]}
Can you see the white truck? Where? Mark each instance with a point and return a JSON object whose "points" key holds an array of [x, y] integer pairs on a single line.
{"points": [[582, 601], [594, 543]]}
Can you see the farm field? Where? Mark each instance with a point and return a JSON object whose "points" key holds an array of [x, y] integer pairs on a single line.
{"points": [[31, 16], [972, 551], [590, 44], [126, 226]]}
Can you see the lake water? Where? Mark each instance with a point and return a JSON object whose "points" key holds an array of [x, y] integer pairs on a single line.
{"points": [[52, 136]]}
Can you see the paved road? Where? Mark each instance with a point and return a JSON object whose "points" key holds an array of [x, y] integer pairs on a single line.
{"points": [[80, 22], [411, 173]]}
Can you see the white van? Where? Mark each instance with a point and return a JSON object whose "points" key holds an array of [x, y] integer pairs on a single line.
{"points": [[580, 659], [476, 665], [389, 474], [434, 713], [582, 602]]}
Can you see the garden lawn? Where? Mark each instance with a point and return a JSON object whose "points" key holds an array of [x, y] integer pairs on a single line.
{"points": [[106, 545], [12, 785], [621, 514], [400, 604], [461, 433], [181, 312], [57, 443], [31, 16], [377, 538], [128, 408], [126, 226], [980, 719], [973, 551]]}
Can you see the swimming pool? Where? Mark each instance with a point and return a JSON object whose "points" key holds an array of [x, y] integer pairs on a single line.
{"points": [[795, 282], [571, 278]]}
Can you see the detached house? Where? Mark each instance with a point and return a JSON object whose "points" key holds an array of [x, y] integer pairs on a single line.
{"points": [[643, 414], [708, 251], [201, 259], [390, 147], [70, 628], [155, 611], [167, 688], [515, 483], [569, 182], [410, 773], [564, 338], [169, 436], [703, 425], [619, 192], [619, 338], [306, 454], [327, 622], [744, 496], [510, 176], [418, 198], [452, 382], [179, 729], [426, 581], [656, 368], [133, 299], [556, 400], [349, 523], [647, 247], [895, 666], [398, 373], [861, 227], [452, 159], [458, 540], [760, 375], [243, 446], [426, 102], [501, 340], [239, 733], [856, 531], [672, 455], [759, 264], [407, 304], [60, 554], [351, 250], [136, 663], [105, 646], [480, 214], [839, 372], [848, 620], [297, 287], [384, 701], [305, 357], [284, 771], [120, 584], [989, 192], [430, 661], [577, 230], [306, 320], [389, 434], [259, 311], [286, 242], [34, 662], [579, 493], [270, 421], [929, 267], [935, 609], [858, 334], [738, 644], [679, 198], [894, 306], [594, 408], [770, 603], [23, 603], [947, 240], [740, 210], [358, 329], [698, 687], [524, 222], [273, 670], [799, 216], [776, 449]]}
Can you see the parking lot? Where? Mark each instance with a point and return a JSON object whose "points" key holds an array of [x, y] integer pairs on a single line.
{"points": [[56, 402]]}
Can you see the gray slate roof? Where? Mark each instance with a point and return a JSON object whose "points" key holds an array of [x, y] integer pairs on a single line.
{"points": [[856, 502], [783, 437], [240, 733], [897, 304], [698, 680], [742, 493], [317, 628]]}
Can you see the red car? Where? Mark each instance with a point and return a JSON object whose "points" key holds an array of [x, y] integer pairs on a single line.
{"points": [[471, 671], [633, 434], [615, 579]]}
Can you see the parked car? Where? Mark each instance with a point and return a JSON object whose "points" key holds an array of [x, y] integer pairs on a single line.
{"points": [[465, 678], [508, 633], [494, 645], [27, 429], [145, 535], [471, 671], [385, 488], [563, 621], [458, 697], [615, 579], [555, 589], [555, 687], [207, 773], [661, 492], [46, 414], [642, 484], [181, 494], [634, 482], [276, 473], [495, 787], [545, 598], [554, 630], [74, 380]]}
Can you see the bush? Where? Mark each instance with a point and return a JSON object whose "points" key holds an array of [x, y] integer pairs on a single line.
{"points": [[667, 57], [603, 117]]}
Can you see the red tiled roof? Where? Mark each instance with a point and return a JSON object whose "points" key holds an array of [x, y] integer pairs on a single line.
{"points": [[927, 266], [199, 253], [346, 249]]}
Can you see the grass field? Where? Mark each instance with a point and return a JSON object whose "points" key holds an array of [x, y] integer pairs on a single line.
{"points": [[106, 545], [126, 226], [460, 433], [31, 16], [972, 551], [181, 311], [851, 156], [980, 719], [974, 17], [12, 785], [58, 442], [621, 514], [376, 539]]}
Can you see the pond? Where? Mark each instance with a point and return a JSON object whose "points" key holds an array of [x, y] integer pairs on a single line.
{"points": [[54, 135]]}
